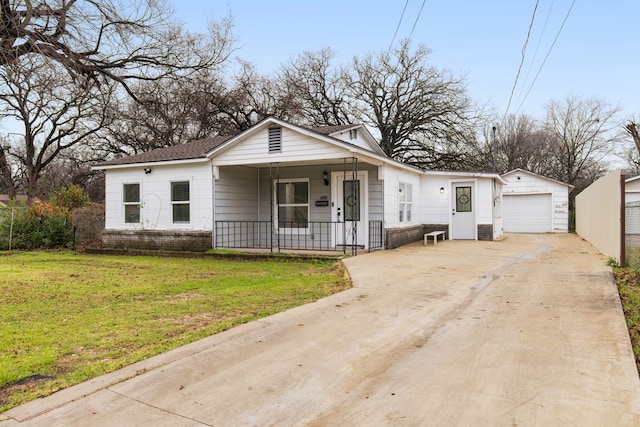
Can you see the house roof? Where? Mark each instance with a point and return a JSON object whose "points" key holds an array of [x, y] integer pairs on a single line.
{"points": [[5, 199], [190, 150], [328, 130], [518, 170]]}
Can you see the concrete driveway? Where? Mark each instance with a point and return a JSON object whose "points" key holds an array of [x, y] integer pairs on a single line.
{"points": [[526, 331]]}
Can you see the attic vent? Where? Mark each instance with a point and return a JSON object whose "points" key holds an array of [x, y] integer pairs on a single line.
{"points": [[353, 133], [275, 140]]}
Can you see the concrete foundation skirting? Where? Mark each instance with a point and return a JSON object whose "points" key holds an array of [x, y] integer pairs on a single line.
{"points": [[194, 241]]}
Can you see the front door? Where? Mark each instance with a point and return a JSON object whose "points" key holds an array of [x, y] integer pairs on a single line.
{"points": [[349, 208], [463, 220]]}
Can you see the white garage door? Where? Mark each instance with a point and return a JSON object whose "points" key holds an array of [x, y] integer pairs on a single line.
{"points": [[528, 213]]}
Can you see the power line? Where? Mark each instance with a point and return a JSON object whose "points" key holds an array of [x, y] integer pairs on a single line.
{"points": [[417, 18], [398, 27], [524, 51], [535, 53], [548, 53]]}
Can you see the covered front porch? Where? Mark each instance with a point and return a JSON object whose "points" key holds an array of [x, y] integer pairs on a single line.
{"points": [[329, 206]]}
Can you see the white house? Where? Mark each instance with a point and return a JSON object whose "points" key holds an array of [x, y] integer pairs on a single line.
{"points": [[281, 186], [534, 204], [632, 189]]}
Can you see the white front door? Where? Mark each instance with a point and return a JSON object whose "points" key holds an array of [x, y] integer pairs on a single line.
{"points": [[349, 208], [463, 219]]}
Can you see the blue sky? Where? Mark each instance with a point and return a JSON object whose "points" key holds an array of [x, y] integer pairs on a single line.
{"points": [[596, 54]]}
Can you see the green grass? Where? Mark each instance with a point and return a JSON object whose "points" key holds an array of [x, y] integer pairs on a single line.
{"points": [[628, 283], [70, 317]]}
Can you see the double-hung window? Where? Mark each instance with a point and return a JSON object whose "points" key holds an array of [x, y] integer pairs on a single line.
{"points": [[180, 206], [405, 198], [292, 199], [131, 202]]}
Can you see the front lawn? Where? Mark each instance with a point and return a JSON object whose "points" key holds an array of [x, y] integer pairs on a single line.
{"points": [[70, 317]]}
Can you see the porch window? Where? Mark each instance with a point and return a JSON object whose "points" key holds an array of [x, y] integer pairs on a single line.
{"points": [[405, 198], [180, 206], [292, 198], [131, 202]]}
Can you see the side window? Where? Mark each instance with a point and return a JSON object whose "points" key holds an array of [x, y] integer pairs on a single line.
{"points": [[292, 199], [131, 202], [405, 202], [180, 206]]}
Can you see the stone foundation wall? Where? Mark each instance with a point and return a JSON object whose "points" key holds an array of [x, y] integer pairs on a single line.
{"points": [[395, 237], [485, 232], [192, 241]]}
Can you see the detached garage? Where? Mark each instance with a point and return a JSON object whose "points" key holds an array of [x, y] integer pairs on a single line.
{"points": [[532, 203]]}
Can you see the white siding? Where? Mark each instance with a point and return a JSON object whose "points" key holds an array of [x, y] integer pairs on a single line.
{"points": [[533, 184], [295, 147], [319, 191], [237, 194], [155, 196], [392, 179], [632, 191]]}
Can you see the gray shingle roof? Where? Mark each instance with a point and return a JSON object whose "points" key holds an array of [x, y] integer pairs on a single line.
{"points": [[326, 130], [190, 150]]}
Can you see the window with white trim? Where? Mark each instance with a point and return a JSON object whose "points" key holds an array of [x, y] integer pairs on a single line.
{"points": [[180, 202], [131, 202], [405, 201], [292, 202]]}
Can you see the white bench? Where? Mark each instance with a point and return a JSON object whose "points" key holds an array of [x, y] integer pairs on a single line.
{"points": [[435, 235]]}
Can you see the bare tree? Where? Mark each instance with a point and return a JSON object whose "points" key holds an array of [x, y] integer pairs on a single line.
{"points": [[416, 108], [107, 40], [54, 115], [582, 133], [319, 90]]}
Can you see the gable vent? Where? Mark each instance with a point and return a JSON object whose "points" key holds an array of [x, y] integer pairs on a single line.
{"points": [[275, 140]]}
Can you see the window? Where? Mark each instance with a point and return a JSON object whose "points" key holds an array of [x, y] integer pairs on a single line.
{"points": [[275, 140], [351, 191], [353, 134], [292, 199], [180, 206], [131, 202], [405, 198], [463, 199]]}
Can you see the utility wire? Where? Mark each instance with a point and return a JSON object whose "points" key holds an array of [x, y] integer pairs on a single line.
{"points": [[535, 53], [548, 53], [417, 18], [524, 52], [398, 27]]}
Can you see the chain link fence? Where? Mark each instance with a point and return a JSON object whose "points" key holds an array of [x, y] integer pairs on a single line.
{"points": [[632, 234], [85, 231]]}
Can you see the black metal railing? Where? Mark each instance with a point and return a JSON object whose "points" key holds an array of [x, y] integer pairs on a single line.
{"points": [[305, 236], [376, 231]]}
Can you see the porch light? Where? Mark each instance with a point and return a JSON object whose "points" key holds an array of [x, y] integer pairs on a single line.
{"points": [[325, 177], [441, 190], [147, 171]]}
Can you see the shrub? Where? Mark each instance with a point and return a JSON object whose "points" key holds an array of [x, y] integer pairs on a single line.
{"points": [[42, 224]]}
